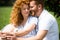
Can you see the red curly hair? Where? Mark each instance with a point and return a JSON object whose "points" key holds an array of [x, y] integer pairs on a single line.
{"points": [[16, 16]]}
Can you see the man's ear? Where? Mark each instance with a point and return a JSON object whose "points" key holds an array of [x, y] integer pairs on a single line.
{"points": [[39, 6]]}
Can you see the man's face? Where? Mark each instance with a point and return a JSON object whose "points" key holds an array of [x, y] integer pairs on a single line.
{"points": [[33, 7]]}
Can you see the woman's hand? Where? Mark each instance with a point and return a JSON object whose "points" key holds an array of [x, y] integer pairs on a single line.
{"points": [[2, 34], [11, 37]]}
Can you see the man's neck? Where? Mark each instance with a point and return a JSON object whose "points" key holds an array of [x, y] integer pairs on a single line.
{"points": [[39, 12]]}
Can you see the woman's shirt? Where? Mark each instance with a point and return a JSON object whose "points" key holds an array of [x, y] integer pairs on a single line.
{"points": [[30, 20]]}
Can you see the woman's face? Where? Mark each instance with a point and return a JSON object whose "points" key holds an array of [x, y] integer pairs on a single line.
{"points": [[25, 10]]}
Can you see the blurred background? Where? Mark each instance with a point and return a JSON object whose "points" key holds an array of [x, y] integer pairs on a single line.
{"points": [[53, 6]]}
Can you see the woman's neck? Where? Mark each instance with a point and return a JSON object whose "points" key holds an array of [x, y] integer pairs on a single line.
{"points": [[24, 21], [25, 18]]}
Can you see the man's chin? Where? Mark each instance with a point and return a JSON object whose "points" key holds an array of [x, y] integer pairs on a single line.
{"points": [[33, 13]]}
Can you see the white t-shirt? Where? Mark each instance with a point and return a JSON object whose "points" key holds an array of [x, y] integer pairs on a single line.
{"points": [[31, 20], [47, 22]]}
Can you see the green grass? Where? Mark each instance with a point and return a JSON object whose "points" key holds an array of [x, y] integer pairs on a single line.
{"points": [[5, 14]]}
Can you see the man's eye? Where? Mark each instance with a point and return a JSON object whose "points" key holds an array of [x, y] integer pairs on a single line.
{"points": [[31, 7]]}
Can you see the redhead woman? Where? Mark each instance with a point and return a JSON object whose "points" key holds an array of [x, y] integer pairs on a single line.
{"points": [[22, 23]]}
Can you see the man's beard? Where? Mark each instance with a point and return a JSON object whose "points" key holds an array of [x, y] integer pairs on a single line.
{"points": [[33, 13]]}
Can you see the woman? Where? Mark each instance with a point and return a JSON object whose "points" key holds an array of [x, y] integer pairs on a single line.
{"points": [[22, 24]]}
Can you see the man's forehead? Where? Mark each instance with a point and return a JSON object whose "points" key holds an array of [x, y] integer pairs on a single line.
{"points": [[32, 3]]}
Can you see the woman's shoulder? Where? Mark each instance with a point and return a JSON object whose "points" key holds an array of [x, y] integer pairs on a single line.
{"points": [[9, 25]]}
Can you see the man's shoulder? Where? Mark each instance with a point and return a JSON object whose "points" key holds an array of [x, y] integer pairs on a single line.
{"points": [[46, 15]]}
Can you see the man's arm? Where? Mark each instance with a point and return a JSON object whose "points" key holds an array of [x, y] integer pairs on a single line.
{"points": [[40, 35], [25, 31], [29, 27]]}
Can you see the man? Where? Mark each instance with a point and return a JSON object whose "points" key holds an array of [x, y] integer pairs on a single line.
{"points": [[47, 27]]}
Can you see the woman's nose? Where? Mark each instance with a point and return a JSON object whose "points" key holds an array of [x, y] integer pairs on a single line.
{"points": [[27, 10], [30, 8]]}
